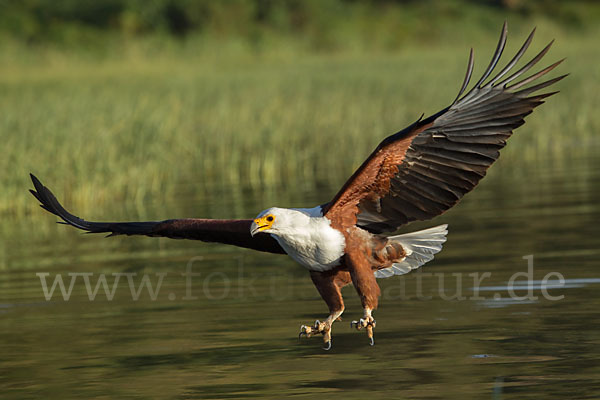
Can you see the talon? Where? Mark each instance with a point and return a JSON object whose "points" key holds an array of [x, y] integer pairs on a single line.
{"points": [[358, 324], [327, 345], [306, 331], [327, 338], [370, 327]]}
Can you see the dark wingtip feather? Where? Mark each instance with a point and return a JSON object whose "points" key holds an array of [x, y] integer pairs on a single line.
{"points": [[49, 203], [492, 65], [42, 194], [526, 67], [514, 60], [546, 95], [34, 193], [467, 77], [496, 56], [535, 88], [37, 185], [534, 76]]}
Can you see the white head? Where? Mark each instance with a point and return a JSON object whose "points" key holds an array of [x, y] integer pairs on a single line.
{"points": [[279, 221]]}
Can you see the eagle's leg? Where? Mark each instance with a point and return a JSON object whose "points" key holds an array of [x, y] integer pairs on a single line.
{"points": [[329, 285], [368, 290]]}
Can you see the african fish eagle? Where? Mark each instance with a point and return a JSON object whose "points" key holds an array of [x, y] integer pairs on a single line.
{"points": [[414, 174]]}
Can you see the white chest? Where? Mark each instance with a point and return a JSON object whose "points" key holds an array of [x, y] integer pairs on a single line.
{"points": [[316, 246]]}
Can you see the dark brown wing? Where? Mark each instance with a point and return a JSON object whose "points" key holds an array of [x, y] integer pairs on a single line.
{"points": [[423, 170], [232, 231]]}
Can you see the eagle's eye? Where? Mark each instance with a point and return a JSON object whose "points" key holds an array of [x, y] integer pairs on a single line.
{"points": [[270, 218]]}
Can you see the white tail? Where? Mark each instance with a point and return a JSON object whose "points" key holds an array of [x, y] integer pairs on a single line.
{"points": [[419, 246]]}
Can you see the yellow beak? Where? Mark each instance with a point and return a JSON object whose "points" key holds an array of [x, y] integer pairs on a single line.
{"points": [[259, 225]]}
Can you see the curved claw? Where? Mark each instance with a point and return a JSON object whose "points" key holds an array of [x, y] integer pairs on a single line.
{"points": [[305, 331], [357, 324], [371, 341], [328, 345]]}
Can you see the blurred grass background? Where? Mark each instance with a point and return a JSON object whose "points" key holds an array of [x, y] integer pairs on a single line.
{"points": [[128, 99]]}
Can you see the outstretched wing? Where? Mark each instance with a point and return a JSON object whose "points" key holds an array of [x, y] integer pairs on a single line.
{"points": [[423, 170], [233, 231]]}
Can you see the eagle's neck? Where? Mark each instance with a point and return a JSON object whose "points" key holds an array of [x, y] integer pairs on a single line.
{"points": [[311, 241]]}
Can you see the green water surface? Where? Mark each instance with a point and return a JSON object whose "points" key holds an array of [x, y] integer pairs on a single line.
{"points": [[231, 331]]}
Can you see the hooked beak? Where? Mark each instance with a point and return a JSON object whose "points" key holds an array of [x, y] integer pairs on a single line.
{"points": [[259, 225]]}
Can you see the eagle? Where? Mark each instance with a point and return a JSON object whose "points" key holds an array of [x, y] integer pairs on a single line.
{"points": [[412, 175]]}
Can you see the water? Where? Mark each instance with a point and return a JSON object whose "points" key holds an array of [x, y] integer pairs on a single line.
{"points": [[232, 332]]}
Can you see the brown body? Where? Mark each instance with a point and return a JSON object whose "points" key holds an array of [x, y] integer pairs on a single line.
{"points": [[362, 249]]}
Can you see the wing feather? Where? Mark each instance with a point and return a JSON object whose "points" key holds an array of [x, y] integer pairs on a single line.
{"points": [[234, 232], [423, 170]]}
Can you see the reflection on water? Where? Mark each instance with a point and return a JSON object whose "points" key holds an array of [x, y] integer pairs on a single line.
{"points": [[231, 330]]}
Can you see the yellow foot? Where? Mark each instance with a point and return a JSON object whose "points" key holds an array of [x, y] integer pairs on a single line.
{"points": [[368, 323], [319, 328]]}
